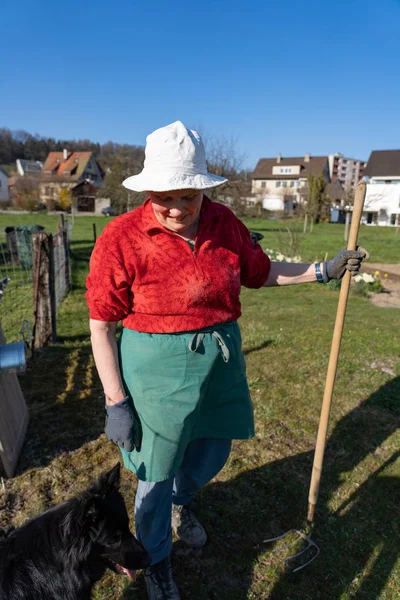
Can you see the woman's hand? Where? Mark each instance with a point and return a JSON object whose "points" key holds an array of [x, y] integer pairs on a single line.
{"points": [[120, 422], [349, 260]]}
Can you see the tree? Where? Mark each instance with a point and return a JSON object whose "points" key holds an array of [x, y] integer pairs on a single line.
{"points": [[224, 159], [65, 199], [121, 198], [26, 193], [316, 200]]}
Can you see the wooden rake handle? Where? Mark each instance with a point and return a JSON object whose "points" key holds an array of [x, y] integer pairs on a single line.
{"points": [[334, 355]]}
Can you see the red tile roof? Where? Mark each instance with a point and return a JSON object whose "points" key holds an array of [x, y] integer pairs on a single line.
{"points": [[56, 167]]}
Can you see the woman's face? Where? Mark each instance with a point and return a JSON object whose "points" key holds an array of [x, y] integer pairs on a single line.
{"points": [[177, 210]]}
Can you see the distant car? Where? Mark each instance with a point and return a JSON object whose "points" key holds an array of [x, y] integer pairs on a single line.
{"points": [[108, 211]]}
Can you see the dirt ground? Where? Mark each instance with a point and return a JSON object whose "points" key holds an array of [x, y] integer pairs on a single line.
{"points": [[390, 297]]}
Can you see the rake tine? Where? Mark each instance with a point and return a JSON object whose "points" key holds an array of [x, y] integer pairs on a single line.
{"points": [[311, 559], [301, 535], [279, 537]]}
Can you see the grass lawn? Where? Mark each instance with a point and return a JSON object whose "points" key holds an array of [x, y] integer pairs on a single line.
{"points": [[263, 490]]}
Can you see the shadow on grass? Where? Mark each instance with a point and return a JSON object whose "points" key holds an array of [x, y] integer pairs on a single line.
{"points": [[359, 539], [247, 351], [65, 402], [81, 254]]}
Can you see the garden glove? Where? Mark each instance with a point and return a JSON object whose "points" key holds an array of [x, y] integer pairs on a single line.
{"points": [[122, 425], [345, 259]]}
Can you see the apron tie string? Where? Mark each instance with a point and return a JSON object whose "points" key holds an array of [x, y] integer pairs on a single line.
{"points": [[197, 339]]}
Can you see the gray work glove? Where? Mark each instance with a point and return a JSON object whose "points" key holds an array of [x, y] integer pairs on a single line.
{"points": [[122, 425], [345, 259]]}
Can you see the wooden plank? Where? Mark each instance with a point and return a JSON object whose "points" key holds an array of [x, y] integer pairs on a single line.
{"points": [[14, 419]]}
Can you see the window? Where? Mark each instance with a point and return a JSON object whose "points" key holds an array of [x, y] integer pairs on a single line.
{"points": [[292, 184], [284, 183], [263, 184], [278, 184], [393, 219], [286, 170]]}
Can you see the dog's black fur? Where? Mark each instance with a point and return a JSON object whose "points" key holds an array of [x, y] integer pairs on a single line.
{"points": [[255, 236], [60, 554]]}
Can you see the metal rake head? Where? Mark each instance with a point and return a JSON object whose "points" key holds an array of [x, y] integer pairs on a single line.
{"points": [[310, 545]]}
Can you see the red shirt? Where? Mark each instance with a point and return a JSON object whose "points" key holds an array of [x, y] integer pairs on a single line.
{"points": [[150, 278]]}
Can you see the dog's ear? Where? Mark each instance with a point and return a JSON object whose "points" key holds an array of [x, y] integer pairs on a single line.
{"points": [[78, 523], [110, 480], [6, 532]]}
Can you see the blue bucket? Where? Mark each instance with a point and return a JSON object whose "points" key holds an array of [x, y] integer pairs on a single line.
{"points": [[12, 356]]}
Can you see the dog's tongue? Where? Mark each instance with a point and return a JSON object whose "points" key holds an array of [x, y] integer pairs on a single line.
{"points": [[130, 573]]}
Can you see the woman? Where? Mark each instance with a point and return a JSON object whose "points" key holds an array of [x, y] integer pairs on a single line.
{"points": [[175, 387]]}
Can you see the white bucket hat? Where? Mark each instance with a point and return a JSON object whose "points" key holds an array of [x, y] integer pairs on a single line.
{"points": [[174, 160]]}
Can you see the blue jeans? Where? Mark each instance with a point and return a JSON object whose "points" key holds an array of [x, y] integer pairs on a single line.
{"points": [[203, 459]]}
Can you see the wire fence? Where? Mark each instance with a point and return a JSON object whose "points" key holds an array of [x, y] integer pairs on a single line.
{"points": [[34, 279], [16, 286]]}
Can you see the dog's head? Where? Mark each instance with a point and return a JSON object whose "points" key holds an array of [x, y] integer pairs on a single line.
{"points": [[255, 236], [100, 521]]}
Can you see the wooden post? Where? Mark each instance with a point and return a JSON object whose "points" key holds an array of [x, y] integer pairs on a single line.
{"points": [[347, 225], [52, 289], [14, 419], [94, 233], [41, 329], [66, 258]]}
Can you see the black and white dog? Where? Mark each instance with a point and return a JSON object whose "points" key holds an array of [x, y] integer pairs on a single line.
{"points": [[60, 554]]}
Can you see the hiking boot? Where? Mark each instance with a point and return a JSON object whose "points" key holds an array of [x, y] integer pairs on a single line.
{"points": [[159, 581], [187, 527]]}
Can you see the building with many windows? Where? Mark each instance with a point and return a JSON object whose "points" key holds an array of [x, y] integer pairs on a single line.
{"points": [[347, 171]]}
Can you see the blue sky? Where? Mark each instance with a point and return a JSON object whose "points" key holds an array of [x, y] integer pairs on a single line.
{"points": [[289, 77]]}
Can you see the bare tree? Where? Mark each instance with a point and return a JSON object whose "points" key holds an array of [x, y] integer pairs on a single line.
{"points": [[25, 193], [224, 159], [289, 240]]}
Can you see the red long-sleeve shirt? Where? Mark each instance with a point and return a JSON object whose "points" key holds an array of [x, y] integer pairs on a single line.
{"points": [[151, 279]]}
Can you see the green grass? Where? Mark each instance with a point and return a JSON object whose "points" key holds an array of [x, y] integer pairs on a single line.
{"points": [[382, 242], [263, 489]]}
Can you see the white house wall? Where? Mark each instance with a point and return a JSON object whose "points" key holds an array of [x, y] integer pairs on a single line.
{"points": [[4, 192], [384, 201]]}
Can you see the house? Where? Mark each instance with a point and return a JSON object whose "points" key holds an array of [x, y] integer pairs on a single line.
{"points": [[29, 168], [382, 205], [281, 182], [382, 202], [68, 171], [383, 166], [347, 171], [4, 191]]}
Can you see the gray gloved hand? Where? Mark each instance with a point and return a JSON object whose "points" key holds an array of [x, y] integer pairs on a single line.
{"points": [[345, 259], [120, 423]]}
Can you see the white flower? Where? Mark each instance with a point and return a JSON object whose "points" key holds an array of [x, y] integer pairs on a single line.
{"points": [[280, 257], [369, 278], [358, 278]]}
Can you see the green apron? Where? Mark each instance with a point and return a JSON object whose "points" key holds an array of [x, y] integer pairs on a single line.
{"points": [[184, 386]]}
